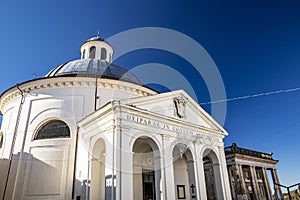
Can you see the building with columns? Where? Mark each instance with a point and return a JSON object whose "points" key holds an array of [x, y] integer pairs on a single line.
{"points": [[90, 129], [247, 170]]}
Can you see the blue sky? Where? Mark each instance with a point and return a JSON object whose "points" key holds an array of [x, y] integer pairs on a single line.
{"points": [[255, 45]]}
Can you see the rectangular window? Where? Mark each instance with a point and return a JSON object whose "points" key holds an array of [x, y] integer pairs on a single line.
{"points": [[181, 191]]}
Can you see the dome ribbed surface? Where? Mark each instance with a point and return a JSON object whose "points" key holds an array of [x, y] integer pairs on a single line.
{"points": [[93, 68]]}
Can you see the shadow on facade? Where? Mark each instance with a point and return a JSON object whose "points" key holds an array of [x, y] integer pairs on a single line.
{"points": [[31, 177], [3, 171], [22, 169], [85, 185]]}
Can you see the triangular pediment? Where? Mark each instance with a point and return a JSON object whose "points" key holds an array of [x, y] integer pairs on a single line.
{"points": [[178, 105]]}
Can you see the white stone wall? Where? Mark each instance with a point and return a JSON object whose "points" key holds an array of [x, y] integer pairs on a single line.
{"points": [[132, 122], [66, 99]]}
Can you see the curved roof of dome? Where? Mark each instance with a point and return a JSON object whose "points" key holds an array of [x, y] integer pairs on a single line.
{"points": [[97, 38], [94, 67]]}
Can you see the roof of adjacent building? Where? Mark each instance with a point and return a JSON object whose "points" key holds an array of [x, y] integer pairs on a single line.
{"points": [[234, 149]]}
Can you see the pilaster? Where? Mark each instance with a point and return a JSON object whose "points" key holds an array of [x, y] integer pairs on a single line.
{"points": [[266, 180], [278, 192]]}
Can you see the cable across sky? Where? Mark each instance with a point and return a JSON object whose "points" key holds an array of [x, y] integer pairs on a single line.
{"points": [[253, 96]]}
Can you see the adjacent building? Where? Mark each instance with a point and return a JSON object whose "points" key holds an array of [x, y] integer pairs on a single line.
{"points": [[248, 174]]}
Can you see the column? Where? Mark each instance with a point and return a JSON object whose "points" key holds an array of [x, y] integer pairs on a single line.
{"points": [[224, 174], [96, 186], [237, 179], [243, 194], [125, 165], [255, 183], [127, 176], [201, 178], [197, 172], [266, 180], [230, 175], [278, 192], [192, 179], [158, 175], [163, 175], [170, 184], [218, 180], [110, 171], [168, 169]]}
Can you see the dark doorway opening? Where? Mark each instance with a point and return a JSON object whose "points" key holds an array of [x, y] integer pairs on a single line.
{"points": [[148, 185]]}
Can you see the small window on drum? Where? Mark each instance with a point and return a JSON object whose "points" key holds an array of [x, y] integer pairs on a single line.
{"points": [[92, 52], [103, 54], [83, 54], [53, 129]]}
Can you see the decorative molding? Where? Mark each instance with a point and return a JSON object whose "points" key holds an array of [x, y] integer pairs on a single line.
{"points": [[179, 104], [103, 84]]}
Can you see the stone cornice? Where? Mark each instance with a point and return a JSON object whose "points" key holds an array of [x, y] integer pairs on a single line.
{"points": [[58, 82], [246, 158]]}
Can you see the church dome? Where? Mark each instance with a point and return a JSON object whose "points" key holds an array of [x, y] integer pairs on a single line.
{"points": [[92, 68], [96, 58]]}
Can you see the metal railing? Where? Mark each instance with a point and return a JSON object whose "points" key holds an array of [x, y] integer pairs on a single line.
{"points": [[288, 188]]}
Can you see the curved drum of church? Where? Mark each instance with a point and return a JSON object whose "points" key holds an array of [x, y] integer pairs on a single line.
{"points": [[89, 129]]}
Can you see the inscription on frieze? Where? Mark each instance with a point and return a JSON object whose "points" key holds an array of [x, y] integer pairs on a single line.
{"points": [[180, 131]]}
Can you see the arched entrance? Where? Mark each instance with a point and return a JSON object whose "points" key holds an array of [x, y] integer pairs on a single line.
{"points": [[146, 170], [212, 175], [97, 185], [184, 172]]}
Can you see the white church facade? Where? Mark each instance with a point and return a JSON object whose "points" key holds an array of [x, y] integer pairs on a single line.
{"points": [[89, 129]]}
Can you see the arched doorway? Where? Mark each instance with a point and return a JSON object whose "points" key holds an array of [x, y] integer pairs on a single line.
{"points": [[184, 172], [212, 175], [146, 170], [97, 185]]}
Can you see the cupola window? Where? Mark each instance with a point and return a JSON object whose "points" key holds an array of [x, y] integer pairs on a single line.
{"points": [[92, 52], [53, 129], [103, 54]]}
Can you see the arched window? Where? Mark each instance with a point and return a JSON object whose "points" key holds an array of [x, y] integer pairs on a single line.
{"points": [[53, 129], [83, 54], [92, 52], [103, 54]]}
